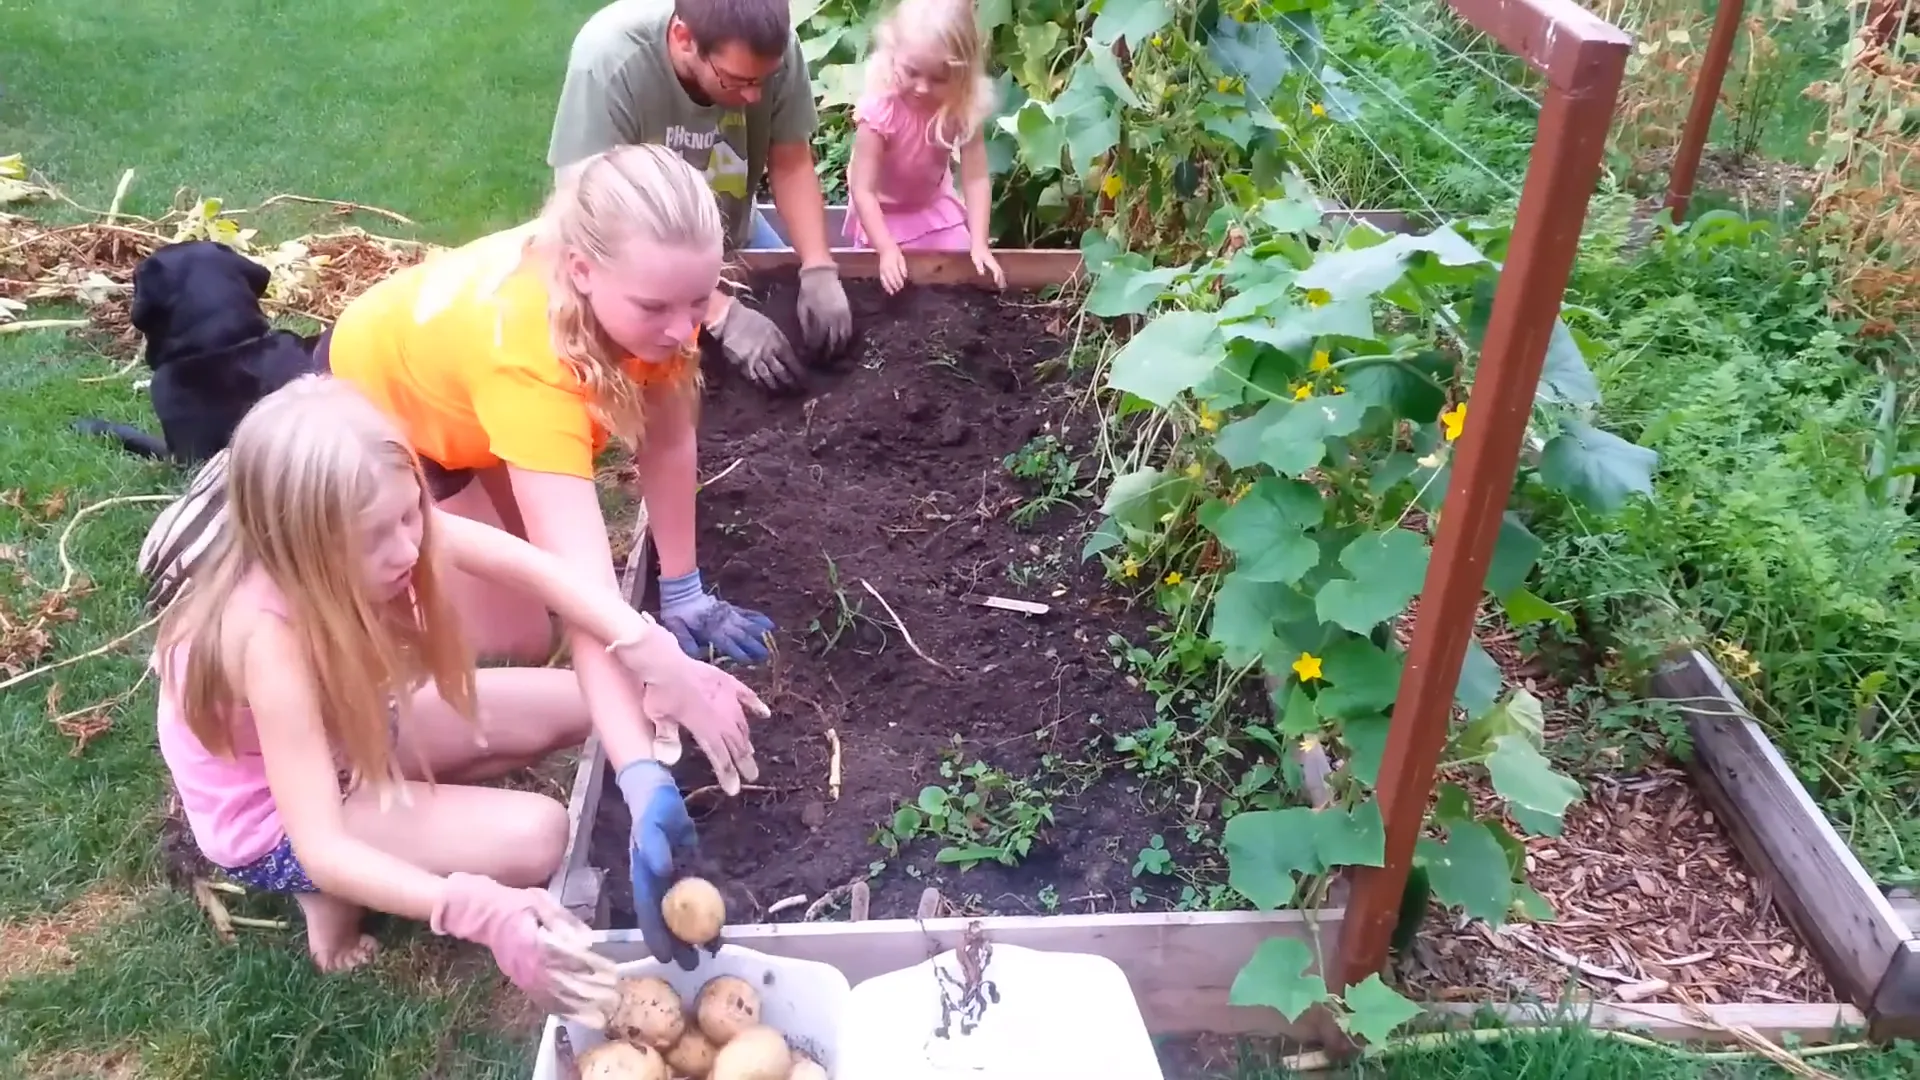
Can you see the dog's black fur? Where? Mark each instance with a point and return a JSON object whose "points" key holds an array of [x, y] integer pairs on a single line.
{"points": [[212, 350]]}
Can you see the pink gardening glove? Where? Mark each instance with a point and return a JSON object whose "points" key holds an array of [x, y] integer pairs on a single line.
{"points": [[537, 944]]}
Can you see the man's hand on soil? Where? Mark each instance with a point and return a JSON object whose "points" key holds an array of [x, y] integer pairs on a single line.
{"points": [[826, 321], [756, 348]]}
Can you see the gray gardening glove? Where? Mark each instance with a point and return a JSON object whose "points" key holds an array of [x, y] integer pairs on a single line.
{"points": [[825, 319], [756, 348]]}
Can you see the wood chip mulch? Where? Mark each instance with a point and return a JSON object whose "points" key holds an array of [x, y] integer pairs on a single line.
{"points": [[1652, 901]]}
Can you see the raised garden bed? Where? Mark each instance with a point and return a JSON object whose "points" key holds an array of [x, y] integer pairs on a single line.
{"points": [[877, 508], [894, 470]]}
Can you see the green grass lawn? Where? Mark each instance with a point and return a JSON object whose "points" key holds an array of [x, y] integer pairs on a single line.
{"points": [[1576, 1054], [438, 111]]}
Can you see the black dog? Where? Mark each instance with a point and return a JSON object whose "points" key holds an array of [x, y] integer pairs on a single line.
{"points": [[211, 348]]}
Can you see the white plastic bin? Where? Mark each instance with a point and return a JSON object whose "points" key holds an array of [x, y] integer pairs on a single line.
{"points": [[803, 999], [1049, 1014]]}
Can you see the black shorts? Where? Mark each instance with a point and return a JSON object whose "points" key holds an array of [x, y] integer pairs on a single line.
{"points": [[442, 483]]}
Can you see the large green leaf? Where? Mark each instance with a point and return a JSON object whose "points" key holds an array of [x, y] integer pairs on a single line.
{"points": [[1514, 554], [1388, 568], [1298, 720], [1519, 715], [1365, 679], [1366, 739], [1288, 215], [1107, 66], [1265, 849], [1469, 870], [1251, 51], [1132, 20], [1597, 468], [1105, 537], [1298, 440], [1358, 273], [1351, 838], [1040, 138], [1523, 777], [1277, 977], [991, 14], [1089, 137], [1139, 498], [1250, 298], [1039, 43], [1294, 329], [1242, 442], [1524, 608], [1266, 530], [1244, 614], [1129, 285], [1566, 378], [1479, 685], [1410, 389], [1251, 373], [1374, 1009], [1170, 354]]}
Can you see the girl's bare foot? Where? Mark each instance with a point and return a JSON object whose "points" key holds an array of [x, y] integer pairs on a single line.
{"points": [[333, 933]]}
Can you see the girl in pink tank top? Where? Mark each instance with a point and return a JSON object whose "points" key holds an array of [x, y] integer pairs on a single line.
{"points": [[926, 98], [323, 721]]}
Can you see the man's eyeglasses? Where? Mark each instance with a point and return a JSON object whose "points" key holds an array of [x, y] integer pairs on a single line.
{"points": [[727, 81]]}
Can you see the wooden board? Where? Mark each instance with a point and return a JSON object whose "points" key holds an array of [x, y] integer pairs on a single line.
{"points": [[1814, 878], [1025, 268], [1181, 964], [578, 885], [1895, 1013], [1909, 913]]}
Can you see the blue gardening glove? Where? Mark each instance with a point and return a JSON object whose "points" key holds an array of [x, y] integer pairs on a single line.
{"points": [[661, 831], [703, 623]]}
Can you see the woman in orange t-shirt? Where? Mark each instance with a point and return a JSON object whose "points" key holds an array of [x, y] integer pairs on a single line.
{"points": [[510, 361]]}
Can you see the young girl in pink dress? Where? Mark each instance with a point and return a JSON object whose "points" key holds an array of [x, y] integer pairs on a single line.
{"points": [[926, 100]]}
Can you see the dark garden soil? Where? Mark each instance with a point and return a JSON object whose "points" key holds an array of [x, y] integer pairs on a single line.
{"points": [[889, 472]]}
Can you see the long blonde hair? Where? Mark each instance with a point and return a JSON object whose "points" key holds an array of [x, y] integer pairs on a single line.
{"points": [[304, 466], [952, 28], [629, 194]]}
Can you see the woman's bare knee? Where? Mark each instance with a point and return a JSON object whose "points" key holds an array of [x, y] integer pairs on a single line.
{"points": [[533, 840], [519, 636]]}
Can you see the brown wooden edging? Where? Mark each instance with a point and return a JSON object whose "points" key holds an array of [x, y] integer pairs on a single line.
{"points": [[578, 885], [1025, 268], [1867, 950]]}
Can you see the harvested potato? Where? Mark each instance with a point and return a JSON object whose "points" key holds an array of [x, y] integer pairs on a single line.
{"points": [[694, 910], [807, 1069], [756, 1053], [726, 1006], [692, 1055], [623, 1061], [649, 1013]]}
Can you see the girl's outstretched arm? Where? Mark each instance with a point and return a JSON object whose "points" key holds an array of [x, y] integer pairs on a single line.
{"points": [[306, 791], [563, 518], [976, 190], [708, 702], [863, 190], [500, 556]]}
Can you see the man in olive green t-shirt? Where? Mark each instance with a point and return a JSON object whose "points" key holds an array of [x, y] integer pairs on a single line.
{"points": [[724, 83]]}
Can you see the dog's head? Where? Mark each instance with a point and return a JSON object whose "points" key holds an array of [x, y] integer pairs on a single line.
{"points": [[197, 296]]}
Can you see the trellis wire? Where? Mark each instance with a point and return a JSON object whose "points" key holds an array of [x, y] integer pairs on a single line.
{"points": [[1457, 51], [1392, 161], [1355, 71]]}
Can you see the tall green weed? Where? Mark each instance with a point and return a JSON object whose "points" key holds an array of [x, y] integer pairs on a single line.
{"points": [[1764, 542]]}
